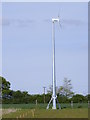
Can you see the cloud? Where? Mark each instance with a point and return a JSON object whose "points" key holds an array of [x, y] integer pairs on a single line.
{"points": [[73, 22], [27, 22], [69, 22], [16, 22]]}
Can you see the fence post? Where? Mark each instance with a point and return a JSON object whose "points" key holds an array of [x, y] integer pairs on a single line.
{"points": [[88, 104], [36, 102], [71, 104]]}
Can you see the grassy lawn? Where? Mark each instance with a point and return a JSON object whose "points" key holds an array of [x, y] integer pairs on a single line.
{"points": [[43, 113], [39, 111]]}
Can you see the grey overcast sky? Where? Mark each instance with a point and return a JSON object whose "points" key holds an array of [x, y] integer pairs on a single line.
{"points": [[27, 45]]}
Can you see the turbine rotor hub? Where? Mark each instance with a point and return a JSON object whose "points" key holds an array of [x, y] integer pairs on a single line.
{"points": [[55, 20]]}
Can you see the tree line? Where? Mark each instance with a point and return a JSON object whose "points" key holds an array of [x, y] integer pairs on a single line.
{"points": [[64, 94]]}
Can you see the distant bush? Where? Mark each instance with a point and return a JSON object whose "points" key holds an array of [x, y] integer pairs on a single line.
{"points": [[79, 106]]}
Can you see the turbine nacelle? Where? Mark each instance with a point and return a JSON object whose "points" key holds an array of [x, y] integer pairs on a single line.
{"points": [[55, 20]]}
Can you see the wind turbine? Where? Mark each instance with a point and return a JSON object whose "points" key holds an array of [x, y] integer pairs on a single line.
{"points": [[54, 96]]}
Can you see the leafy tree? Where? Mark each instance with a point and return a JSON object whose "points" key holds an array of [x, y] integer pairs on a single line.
{"points": [[5, 88], [78, 98], [66, 89], [63, 99], [5, 85], [18, 97], [87, 97], [49, 91]]}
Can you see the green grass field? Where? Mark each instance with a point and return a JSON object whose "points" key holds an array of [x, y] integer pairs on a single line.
{"points": [[42, 113], [39, 111]]}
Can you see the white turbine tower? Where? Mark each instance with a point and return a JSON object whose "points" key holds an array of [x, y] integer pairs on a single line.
{"points": [[54, 96]]}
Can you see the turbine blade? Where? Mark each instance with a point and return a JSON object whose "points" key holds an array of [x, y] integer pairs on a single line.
{"points": [[47, 20], [59, 19], [60, 25]]}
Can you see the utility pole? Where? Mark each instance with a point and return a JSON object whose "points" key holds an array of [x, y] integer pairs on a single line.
{"points": [[44, 94]]}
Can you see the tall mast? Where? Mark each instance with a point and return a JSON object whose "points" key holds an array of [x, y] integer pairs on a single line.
{"points": [[53, 77], [54, 96]]}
